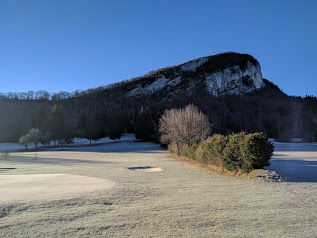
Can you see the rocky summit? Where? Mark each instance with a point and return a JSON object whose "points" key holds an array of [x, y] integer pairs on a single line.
{"points": [[226, 73]]}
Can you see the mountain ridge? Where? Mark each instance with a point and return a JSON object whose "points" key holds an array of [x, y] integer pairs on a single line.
{"points": [[219, 67], [224, 73], [227, 87]]}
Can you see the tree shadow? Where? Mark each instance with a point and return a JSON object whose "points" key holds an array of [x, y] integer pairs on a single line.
{"points": [[115, 147], [118, 147], [107, 147], [308, 147], [54, 160], [295, 170]]}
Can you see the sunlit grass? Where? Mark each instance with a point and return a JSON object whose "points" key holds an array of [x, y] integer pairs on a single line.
{"points": [[182, 200]]}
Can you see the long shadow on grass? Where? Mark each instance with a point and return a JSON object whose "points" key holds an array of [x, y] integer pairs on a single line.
{"points": [[295, 170], [308, 147], [108, 147], [118, 147], [56, 161]]}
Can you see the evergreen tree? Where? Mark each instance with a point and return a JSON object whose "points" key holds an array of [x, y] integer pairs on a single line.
{"points": [[145, 127], [95, 126], [114, 130]]}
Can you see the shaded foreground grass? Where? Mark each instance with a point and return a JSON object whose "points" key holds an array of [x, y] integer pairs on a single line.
{"points": [[182, 200]]}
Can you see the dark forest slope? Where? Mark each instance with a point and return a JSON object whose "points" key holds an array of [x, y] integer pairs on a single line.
{"points": [[227, 87]]}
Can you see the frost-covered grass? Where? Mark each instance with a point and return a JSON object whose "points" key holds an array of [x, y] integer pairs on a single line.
{"points": [[182, 200]]}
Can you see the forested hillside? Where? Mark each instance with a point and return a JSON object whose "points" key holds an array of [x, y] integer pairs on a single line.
{"points": [[113, 110], [97, 114]]}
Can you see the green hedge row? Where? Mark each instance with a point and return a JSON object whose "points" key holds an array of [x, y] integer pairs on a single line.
{"points": [[239, 152]]}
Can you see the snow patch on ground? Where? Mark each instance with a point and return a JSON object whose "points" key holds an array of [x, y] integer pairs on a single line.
{"points": [[13, 147], [296, 162], [10, 147]]}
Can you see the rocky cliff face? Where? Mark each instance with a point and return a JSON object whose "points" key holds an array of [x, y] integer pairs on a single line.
{"points": [[234, 80], [226, 73]]}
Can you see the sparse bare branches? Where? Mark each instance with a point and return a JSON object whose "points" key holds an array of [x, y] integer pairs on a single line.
{"points": [[25, 140], [187, 125]]}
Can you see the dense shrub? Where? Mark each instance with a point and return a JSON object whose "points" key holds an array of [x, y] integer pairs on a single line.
{"points": [[257, 150], [211, 150], [232, 159], [172, 147], [188, 151], [239, 152]]}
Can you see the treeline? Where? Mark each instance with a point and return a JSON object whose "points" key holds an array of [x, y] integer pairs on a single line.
{"points": [[111, 112], [63, 95], [45, 95], [56, 127]]}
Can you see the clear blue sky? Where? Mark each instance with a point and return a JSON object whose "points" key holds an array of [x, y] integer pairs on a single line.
{"points": [[79, 44]]}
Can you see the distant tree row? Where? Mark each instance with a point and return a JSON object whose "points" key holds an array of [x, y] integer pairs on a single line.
{"points": [[36, 137], [54, 128], [57, 127], [110, 112], [35, 95], [45, 95]]}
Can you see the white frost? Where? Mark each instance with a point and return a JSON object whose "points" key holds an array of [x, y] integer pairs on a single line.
{"points": [[136, 91], [157, 85], [229, 80], [193, 65], [161, 83], [226, 81]]}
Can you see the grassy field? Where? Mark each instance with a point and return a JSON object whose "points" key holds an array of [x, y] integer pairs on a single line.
{"points": [[91, 192]]}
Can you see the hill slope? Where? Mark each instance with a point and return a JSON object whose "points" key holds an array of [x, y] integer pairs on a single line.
{"points": [[222, 74], [227, 87], [227, 73]]}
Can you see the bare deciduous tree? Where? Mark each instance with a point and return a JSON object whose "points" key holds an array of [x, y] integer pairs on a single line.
{"points": [[34, 136], [25, 140], [187, 125]]}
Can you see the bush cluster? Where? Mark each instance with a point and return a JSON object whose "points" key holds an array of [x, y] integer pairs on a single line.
{"points": [[238, 152]]}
